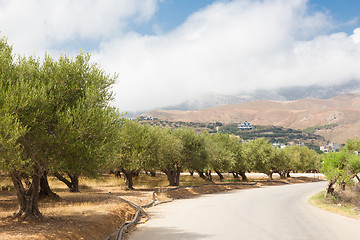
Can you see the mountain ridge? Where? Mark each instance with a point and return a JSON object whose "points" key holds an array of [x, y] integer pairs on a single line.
{"points": [[342, 110], [279, 94]]}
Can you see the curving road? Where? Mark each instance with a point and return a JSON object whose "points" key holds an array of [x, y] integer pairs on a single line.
{"points": [[279, 212]]}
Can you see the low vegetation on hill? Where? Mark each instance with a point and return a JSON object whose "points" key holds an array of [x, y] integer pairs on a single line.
{"points": [[313, 130], [336, 119], [210, 127], [273, 134]]}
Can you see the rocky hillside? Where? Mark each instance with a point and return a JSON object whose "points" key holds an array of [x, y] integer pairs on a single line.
{"points": [[342, 111]]}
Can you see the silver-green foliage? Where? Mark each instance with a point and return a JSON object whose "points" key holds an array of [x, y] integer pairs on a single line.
{"points": [[53, 115]]}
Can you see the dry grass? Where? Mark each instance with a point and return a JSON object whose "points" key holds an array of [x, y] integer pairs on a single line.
{"points": [[94, 213], [346, 203], [97, 211]]}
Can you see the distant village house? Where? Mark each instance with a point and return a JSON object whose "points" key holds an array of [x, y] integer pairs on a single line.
{"points": [[146, 118], [330, 147], [279, 145], [245, 126]]}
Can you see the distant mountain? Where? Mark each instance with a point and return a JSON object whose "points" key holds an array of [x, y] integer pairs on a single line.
{"points": [[342, 112], [281, 94]]}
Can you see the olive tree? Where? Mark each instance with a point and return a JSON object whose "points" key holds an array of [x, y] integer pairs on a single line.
{"points": [[221, 156], [260, 154], [240, 164], [342, 167], [194, 150], [170, 158], [137, 149], [304, 159], [35, 98], [24, 141], [85, 128], [334, 167], [352, 148]]}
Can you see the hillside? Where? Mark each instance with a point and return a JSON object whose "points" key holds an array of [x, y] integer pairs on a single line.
{"points": [[342, 111]]}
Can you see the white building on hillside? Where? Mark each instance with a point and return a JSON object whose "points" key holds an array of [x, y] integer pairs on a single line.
{"points": [[279, 145], [245, 126], [330, 147]]}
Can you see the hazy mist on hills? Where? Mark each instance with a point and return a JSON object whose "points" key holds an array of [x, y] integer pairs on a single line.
{"points": [[280, 94]]}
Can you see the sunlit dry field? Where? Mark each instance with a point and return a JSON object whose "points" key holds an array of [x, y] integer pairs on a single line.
{"points": [[97, 210]]}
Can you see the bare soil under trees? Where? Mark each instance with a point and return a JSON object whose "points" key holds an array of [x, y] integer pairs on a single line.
{"points": [[97, 210]]}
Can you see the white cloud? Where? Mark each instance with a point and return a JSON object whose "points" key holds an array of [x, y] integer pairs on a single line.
{"points": [[36, 26], [227, 47], [230, 47]]}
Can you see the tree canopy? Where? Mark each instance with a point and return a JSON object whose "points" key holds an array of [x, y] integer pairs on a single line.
{"points": [[54, 115]]}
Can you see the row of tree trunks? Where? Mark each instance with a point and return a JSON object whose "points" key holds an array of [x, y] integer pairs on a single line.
{"points": [[240, 173], [38, 188], [282, 175]]}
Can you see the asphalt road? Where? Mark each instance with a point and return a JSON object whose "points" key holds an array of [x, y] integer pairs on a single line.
{"points": [[279, 212]]}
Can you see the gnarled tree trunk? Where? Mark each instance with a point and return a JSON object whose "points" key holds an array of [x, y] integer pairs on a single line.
{"points": [[219, 174], [208, 174], [270, 174], [243, 175], [330, 188], [45, 190], [173, 177], [27, 199], [73, 184], [201, 174], [282, 174], [128, 178]]}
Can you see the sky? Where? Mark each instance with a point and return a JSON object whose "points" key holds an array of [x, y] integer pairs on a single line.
{"points": [[168, 51]]}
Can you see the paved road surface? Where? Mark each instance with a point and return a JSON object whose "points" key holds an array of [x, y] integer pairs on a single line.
{"points": [[279, 212]]}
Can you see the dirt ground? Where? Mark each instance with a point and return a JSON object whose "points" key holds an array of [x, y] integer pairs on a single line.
{"points": [[98, 210]]}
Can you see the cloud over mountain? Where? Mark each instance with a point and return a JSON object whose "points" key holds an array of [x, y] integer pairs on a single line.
{"points": [[230, 47], [227, 47]]}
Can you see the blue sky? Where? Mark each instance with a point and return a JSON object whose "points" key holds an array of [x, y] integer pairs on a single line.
{"points": [[170, 51], [172, 13], [341, 10], [346, 13]]}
